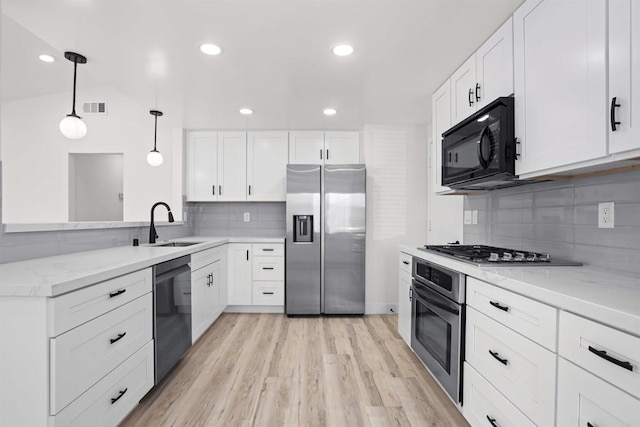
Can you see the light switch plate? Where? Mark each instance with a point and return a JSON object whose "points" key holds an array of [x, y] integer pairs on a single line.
{"points": [[467, 217], [474, 216], [247, 217], [606, 215]]}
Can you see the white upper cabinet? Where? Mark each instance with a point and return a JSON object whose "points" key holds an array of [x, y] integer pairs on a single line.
{"points": [[331, 148], [232, 166], [202, 166], [463, 91], [306, 147], [441, 111], [341, 148], [494, 66], [267, 158], [560, 83], [624, 75]]}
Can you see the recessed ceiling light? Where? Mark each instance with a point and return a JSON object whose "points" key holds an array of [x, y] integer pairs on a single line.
{"points": [[246, 111], [343, 50], [210, 49], [46, 58], [329, 111]]}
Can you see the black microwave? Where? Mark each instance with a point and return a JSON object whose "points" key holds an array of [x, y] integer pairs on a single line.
{"points": [[480, 152]]}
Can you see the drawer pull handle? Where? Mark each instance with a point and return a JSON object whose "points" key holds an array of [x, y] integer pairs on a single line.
{"points": [[267, 293], [120, 336], [267, 268], [498, 306], [601, 353], [405, 262], [115, 294], [496, 356], [267, 249], [122, 392], [492, 421]]}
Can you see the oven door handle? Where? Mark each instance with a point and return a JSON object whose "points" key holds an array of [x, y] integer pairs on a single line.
{"points": [[423, 296], [483, 162]]}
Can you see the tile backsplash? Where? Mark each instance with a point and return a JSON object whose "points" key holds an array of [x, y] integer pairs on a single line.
{"points": [[266, 219], [561, 218]]}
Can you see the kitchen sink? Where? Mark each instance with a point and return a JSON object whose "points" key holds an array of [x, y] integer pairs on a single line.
{"points": [[177, 244]]}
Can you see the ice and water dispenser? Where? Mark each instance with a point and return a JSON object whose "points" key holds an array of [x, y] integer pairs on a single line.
{"points": [[303, 228]]}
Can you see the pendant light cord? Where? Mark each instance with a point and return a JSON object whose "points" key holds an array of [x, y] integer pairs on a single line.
{"points": [[155, 134], [73, 107]]}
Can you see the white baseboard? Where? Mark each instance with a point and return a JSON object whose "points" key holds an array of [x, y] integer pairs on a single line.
{"points": [[254, 309], [379, 309]]}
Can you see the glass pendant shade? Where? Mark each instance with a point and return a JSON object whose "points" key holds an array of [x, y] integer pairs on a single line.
{"points": [[154, 158], [73, 127]]}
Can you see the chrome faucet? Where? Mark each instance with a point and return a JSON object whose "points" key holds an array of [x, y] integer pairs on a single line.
{"points": [[152, 228]]}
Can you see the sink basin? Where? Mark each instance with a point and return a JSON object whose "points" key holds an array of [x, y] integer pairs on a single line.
{"points": [[177, 244]]}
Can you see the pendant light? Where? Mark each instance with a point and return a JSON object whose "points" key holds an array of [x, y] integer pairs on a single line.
{"points": [[72, 126], [154, 158]]}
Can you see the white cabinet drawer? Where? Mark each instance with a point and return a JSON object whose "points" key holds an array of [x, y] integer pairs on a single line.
{"points": [[75, 308], [521, 369], [405, 262], [268, 249], [84, 355], [203, 258], [128, 383], [601, 350], [534, 320], [268, 268], [268, 293], [482, 402], [586, 400]]}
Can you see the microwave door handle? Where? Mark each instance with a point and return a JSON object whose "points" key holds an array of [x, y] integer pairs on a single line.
{"points": [[483, 162]]}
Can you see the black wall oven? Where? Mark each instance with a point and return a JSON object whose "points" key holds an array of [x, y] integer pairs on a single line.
{"points": [[437, 323], [480, 153]]}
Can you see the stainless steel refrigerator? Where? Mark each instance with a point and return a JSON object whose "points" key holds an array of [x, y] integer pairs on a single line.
{"points": [[325, 259]]}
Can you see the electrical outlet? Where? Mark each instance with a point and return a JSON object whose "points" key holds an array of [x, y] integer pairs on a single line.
{"points": [[468, 217], [606, 215], [391, 308], [474, 216], [247, 217]]}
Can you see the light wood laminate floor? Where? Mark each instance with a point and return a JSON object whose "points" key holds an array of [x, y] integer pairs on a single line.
{"points": [[271, 370]]}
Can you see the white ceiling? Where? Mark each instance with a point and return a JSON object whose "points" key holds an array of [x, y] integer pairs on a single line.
{"points": [[276, 56]]}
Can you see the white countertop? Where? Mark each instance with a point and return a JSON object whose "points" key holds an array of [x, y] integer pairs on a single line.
{"points": [[60, 274], [610, 298]]}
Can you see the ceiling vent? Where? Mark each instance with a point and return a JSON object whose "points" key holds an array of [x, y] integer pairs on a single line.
{"points": [[97, 108]]}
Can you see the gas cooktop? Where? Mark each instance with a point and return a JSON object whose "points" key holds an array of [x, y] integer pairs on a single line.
{"points": [[482, 256]]}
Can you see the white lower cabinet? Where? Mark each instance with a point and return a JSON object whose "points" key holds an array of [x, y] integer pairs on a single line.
{"points": [[268, 274], [404, 298], [268, 293], [114, 396], [586, 400], [522, 370], [484, 405], [239, 288], [207, 283]]}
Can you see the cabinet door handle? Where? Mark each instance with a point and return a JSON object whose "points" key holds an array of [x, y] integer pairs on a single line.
{"points": [[405, 262], [601, 353], [498, 306], [219, 190], [120, 336], [267, 293], [612, 112], [470, 97], [492, 421], [267, 268], [321, 154], [115, 294], [122, 392], [249, 189], [410, 294], [327, 154], [477, 91], [496, 356], [213, 190], [247, 254]]}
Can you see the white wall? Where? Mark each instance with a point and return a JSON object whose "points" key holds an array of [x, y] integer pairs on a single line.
{"points": [[35, 155], [396, 158]]}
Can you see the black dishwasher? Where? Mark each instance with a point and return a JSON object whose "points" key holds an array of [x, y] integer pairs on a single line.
{"points": [[172, 313]]}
